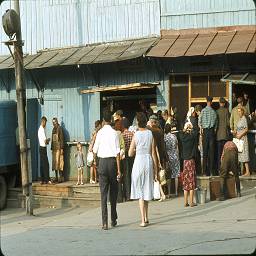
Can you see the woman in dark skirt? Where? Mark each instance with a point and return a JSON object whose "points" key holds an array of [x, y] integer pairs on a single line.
{"points": [[188, 139]]}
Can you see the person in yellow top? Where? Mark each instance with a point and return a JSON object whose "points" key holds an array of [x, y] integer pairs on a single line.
{"points": [[234, 118]]}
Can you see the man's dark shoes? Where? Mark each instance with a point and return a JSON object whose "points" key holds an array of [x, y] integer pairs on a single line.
{"points": [[105, 227], [113, 223]]}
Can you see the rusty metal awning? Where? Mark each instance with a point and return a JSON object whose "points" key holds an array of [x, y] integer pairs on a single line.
{"points": [[240, 78], [202, 42], [89, 54], [133, 86]]}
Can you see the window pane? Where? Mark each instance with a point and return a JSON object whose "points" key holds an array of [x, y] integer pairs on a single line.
{"points": [[199, 86], [217, 88]]}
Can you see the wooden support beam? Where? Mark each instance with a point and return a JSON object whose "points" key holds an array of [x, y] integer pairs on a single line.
{"points": [[133, 86]]}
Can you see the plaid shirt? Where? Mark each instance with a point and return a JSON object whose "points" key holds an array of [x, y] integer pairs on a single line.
{"points": [[127, 139], [208, 118]]}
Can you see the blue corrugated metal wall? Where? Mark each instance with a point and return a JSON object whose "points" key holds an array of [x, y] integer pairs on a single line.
{"points": [[179, 14], [80, 111], [60, 23]]}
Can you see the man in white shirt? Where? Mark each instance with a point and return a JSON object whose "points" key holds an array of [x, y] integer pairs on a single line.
{"points": [[44, 163], [107, 148]]}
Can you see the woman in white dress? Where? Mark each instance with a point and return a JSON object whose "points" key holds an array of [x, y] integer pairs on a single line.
{"points": [[145, 169]]}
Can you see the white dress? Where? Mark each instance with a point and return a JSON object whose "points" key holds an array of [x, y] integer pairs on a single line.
{"points": [[142, 171]]}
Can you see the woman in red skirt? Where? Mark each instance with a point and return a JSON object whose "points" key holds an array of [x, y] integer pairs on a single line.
{"points": [[188, 140]]}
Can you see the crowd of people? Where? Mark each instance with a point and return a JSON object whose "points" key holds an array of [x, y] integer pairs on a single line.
{"points": [[129, 158]]}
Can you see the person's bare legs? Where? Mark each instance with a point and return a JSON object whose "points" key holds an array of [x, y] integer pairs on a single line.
{"points": [[176, 186], [191, 197], [162, 194], [142, 212], [78, 177], [185, 198], [81, 176], [95, 173], [146, 211], [91, 174], [247, 171]]}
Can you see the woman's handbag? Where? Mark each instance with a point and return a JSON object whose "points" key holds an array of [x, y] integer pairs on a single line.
{"points": [[89, 158], [240, 144], [156, 190], [162, 177]]}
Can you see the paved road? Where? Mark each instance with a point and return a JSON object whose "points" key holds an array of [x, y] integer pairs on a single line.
{"points": [[214, 228]]}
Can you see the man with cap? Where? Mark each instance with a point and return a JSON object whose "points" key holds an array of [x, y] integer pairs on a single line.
{"points": [[208, 127], [223, 130]]}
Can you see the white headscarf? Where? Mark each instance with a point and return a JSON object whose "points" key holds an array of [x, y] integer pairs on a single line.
{"points": [[189, 114], [186, 126]]}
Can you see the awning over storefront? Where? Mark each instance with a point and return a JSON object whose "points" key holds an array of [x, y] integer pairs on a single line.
{"points": [[89, 54], [240, 78], [201, 42], [134, 86]]}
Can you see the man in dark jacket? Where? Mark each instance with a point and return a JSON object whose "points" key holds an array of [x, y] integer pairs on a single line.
{"points": [[57, 148], [223, 130]]}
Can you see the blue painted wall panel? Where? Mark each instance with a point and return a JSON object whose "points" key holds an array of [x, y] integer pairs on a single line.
{"points": [[180, 14], [62, 23], [79, 112]]}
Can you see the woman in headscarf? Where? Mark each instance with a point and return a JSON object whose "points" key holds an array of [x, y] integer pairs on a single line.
{"points": [[188, 140], [172, 151]]}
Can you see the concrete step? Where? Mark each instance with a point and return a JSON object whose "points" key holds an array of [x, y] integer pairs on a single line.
{"points": [[248, 182], [62, 202], [13, 192]]}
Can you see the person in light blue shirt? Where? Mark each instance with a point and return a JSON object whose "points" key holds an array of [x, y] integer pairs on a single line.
{"points": [[208, 125]]}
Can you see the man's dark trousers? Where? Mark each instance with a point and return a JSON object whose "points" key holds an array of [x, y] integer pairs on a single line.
{"points": [[108, 180], [208, 151], [44, 164]]}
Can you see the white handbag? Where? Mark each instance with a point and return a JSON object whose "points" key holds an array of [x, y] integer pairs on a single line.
{"points": [[239, 144], [156, 190], [89, 158]]}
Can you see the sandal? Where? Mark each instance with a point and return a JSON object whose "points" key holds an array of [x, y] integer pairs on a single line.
{"points": [[186, 205]]}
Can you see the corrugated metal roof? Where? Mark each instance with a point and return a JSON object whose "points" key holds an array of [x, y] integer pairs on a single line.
{"points": [[193, 42], [101, 53]]}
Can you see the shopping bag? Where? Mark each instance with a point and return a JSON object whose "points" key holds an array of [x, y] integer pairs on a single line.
{"points": [[162, 177], [239, 144], [156, 190], [89, 158]]}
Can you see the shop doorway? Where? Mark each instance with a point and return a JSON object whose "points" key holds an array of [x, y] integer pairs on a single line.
{"points": [[128, 101], [240, 89]]}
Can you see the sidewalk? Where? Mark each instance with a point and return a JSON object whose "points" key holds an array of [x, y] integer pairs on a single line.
{"points": [[214, 228]]}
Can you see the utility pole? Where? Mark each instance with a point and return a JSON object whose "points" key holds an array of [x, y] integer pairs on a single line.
{"points": [[21, 105]]}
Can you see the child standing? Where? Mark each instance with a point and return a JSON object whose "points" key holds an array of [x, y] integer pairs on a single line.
{"points": [[79, 156]]}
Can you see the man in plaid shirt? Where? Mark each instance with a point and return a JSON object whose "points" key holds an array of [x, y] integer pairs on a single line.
{"points": [[128, 161], [208, 126]]}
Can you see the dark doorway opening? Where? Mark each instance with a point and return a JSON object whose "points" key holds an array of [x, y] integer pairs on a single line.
{"points": [[239, 89], [127, 100]]}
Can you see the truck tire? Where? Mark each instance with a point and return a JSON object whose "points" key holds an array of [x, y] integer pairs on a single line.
{"points": [[3, 192]]}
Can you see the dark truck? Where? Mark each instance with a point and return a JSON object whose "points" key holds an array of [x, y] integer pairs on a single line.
{"points": [[9, 158]]}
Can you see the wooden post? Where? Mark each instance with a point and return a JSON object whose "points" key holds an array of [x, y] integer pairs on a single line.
{"points": [[189, 91], [21, 104]]}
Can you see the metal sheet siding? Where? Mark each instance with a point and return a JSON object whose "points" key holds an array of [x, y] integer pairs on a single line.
{"points": [[179, 14], [79, 112], [62, 23]]}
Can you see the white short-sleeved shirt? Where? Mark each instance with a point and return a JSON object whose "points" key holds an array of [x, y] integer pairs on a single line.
{"points": [[107, 142], [41, 136]]}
